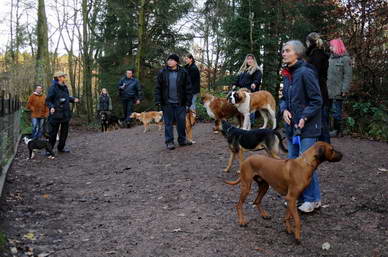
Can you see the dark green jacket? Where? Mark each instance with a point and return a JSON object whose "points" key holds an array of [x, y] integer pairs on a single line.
{"points": [[339, 75]]}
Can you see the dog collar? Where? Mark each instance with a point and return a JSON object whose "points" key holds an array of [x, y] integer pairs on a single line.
{"points": [[305, 160]]}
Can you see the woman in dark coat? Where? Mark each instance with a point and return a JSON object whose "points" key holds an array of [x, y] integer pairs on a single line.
{"points": [[195, 78], [301, 107], [249, 75], [319, 60], [104, 103]]}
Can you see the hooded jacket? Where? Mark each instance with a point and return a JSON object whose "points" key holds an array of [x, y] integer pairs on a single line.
{"points": [[302, 97], [183, 84], [339, 75], [37, 104]]}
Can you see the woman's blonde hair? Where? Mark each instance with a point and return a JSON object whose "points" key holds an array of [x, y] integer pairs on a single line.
{"points": [[103, 89], [246, 68]]}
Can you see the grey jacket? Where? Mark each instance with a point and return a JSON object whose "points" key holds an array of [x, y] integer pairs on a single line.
{"points": [[339, 75]]}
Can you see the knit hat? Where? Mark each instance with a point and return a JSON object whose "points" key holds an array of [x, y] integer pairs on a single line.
{"points": [[173, 57]]}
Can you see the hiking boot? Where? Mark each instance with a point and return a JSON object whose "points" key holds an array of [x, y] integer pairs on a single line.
{"points": [[309, 206], [170, 146]]}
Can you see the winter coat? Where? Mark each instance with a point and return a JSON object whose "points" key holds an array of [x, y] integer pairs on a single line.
{"points": [[58, 98], [320, 62], [302, 98], [339, 75], [104, 103], [37, 104], [247, 78], [183, 87], [195, 77], [130, 89]]}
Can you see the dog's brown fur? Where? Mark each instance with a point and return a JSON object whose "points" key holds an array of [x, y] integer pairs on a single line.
{"points": [[147, 117], [288, 177], [220, 109], [191, 118]]}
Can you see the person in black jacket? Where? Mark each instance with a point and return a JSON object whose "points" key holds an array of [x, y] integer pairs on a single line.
{"points": [[58, 101], [104, 103], [195, 78], [319, 60], [173, 94], [130, 93], [249, 75]]}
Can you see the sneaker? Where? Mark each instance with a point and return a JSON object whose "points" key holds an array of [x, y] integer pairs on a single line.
{"points": [[170, 146], [185, 143], [309, 206]]}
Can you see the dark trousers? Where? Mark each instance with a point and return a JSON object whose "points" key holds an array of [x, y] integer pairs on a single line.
{"points": [[177, 113], [127, 108], [325, 131], [54, 128]]}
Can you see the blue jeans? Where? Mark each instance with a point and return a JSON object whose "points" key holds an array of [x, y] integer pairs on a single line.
{"points": [[37, 127], [193, 107], [312, 193], [336, 109], [171, 113]]}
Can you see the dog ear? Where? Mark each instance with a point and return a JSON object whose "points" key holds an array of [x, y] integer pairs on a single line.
{"points": [[320, 156]]}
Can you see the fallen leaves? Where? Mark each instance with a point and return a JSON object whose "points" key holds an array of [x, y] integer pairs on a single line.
{"points": [[30, 236]]}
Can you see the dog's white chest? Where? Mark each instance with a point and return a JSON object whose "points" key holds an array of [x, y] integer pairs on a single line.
{"points": [[245, 107], [209, 110]]}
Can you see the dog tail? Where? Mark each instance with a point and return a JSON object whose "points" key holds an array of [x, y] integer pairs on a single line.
{"points": [[284, 149], [233, 182]]}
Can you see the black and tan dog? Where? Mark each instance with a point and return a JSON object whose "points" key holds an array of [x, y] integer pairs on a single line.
{"points": [[108, 121], [38, 144], [287, 177], [240, 140]]}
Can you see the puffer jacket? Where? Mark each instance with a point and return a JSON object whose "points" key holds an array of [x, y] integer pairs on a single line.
{"points": [[339, 75], [302, 97], [104, 103]]}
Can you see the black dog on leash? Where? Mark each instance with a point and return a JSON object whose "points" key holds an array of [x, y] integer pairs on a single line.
{"points": [[37, 144], [240, 140], [108, 121]]}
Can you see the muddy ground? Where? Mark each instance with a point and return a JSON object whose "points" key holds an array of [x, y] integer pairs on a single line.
{"points": [[122, 194]]}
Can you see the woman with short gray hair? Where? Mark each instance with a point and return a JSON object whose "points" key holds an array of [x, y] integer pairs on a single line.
{"points": [[301, 108]]}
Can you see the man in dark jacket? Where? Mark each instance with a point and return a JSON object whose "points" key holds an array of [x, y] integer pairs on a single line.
{"points": [[195, 78], [58, 102], [130, 93], [173, 93]]}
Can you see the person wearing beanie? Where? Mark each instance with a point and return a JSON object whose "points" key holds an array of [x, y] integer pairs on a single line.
{"points": [[174, 94], [39, 111]]}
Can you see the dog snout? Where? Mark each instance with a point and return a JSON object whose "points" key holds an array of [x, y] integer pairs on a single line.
{"points": [[336, 157]]}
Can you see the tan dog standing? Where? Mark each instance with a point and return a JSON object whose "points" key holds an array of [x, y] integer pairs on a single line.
{"points": [[248, 103], [220, 109], [287, 177], [191, 118], [147, 117]]}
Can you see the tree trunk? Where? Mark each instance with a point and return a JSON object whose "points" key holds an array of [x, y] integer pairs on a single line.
{"points": [[87, 62], [42, 75], [140, 47]]}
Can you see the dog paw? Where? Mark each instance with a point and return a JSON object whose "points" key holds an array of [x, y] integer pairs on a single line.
{"points": [[297, 241], [226, 170], [243, 225], [238, 172], [266, 216], [216, 132]]}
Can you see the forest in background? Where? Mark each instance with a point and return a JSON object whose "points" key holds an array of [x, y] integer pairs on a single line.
{"points": [[95, 41]]}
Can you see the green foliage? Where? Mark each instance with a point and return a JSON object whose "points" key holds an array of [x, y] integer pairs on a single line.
{"points": [[368, 119], [3, 241], [25, 122]]}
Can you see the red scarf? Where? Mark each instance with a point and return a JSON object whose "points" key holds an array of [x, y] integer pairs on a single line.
{"points": [[286, 73]]}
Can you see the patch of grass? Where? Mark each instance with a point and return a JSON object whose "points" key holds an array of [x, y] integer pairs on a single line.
{"points": [[25, 122], [3, 241]]}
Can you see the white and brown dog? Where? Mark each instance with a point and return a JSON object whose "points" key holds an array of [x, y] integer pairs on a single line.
{"points": [[220, 109], [147, 117], [247, 103]]}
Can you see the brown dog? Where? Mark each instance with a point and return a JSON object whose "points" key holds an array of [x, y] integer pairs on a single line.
{"points": [[287, 177], [220, 109], [147, 117], [248, 103], [191, 118]]}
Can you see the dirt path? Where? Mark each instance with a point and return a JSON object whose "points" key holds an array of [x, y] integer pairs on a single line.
{"points": [[123, 194]]}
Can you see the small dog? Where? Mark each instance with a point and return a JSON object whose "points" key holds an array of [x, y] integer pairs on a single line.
{"points": [[288, 177], [220, 109], [147, 117], [247, 103], [240, 140], [37, 144], [108, 121]]}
